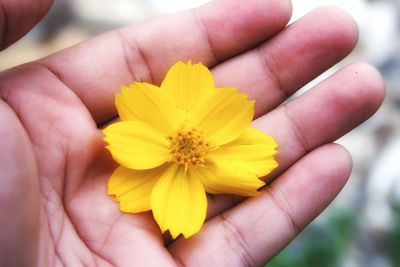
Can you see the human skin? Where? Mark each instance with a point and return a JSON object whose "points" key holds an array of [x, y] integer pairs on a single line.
{"points": [[54, 168]]}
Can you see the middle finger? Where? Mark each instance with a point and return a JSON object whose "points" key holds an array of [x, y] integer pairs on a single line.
{"points": [[276, 69]]}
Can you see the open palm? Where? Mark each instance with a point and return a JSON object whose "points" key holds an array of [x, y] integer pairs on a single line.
{"points": [[54, 168]]}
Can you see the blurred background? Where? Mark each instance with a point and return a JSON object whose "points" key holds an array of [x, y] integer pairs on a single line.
{"points": [[362, 226]]}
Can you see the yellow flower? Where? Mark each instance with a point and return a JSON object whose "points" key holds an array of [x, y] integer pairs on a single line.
{"points": [[180, 140]]}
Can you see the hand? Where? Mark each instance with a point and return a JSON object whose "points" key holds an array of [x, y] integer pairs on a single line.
{"points": [[54, 168]]}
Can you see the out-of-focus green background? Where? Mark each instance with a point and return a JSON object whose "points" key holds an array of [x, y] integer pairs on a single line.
{"points": [[362, 226]]}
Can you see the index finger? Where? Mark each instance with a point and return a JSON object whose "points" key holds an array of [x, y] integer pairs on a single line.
{"points": [[95, 69]]}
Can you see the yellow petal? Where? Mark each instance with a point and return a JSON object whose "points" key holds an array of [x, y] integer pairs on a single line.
{"points": [[136, 145], [132, 188], [223, 177], [235, 168], [188, 84], [224, 115], [146, 102], [253, 151], [179, 203]]}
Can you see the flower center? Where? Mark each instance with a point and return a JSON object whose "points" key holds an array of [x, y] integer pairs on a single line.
{"points": [[188, 148]]}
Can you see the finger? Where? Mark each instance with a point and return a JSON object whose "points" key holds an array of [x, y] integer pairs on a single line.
{"points": [[17, 17], [94, 70], [19, 200], [253, 232], [322, 115], [279, 67]]}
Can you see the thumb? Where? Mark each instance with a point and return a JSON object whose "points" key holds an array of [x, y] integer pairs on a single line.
{"points": [[17, 17], [19, 194]]}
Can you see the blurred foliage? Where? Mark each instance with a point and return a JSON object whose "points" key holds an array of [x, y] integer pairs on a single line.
{"points": [[391, 240], [321, 243]]}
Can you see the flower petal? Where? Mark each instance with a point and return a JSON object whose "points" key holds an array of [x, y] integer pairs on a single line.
{"points": [[132, 188], [235, 168], [179, 203], [224, 115], [136, 145], [253, 151], [221, 177], [146, 102], [188, 84]]}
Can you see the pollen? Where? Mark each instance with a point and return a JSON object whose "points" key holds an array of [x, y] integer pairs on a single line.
{"points": [[188, 148]]}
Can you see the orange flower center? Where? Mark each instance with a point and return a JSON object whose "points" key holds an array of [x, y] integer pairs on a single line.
{"points": [[188, 148]]}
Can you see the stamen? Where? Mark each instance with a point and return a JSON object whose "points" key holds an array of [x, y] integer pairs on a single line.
{"points": [[188, 148]]}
